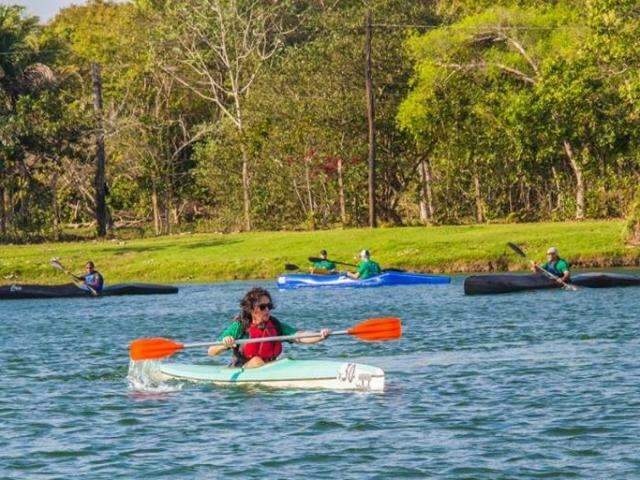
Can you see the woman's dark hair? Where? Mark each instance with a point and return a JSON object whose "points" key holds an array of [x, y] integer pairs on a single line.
{"points": [[247, 303], [91, 264]]}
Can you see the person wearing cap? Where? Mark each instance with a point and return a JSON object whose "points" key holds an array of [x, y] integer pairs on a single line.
{"points": [[324, 265], [367, 268], [555, 265]]}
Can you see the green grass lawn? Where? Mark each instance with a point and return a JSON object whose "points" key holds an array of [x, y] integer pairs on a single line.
{"points": [[211, 257]]}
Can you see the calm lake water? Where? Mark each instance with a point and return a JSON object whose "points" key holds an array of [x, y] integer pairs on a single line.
{"points": [[531, 385]]}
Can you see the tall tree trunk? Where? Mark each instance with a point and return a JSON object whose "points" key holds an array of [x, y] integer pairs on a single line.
{"points": [[100, 178], [560, 193], [3, 213], [54, 206], [343, 209], [246, 181], [23, 193], [157, 221], [175, 214], [577, 171], [8, 208], [245, 189], [307, 177], [426, 194], [371, 115], [478, 198], [303, 204], [167, 213], [510, 192], [76, 212]]}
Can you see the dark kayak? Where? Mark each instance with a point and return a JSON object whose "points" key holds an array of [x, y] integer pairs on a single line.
{"points": [[507, 283], [11, 292]]}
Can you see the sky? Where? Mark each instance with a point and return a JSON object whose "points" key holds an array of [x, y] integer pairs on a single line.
{"points": [[45, 9]]}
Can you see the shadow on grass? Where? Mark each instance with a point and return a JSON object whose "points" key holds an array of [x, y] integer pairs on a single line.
{"points": [[211, 243], [123, 250], [157, 248]]}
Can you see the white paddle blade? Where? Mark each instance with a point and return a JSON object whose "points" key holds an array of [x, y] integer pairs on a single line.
{"points": [[55, 263]]}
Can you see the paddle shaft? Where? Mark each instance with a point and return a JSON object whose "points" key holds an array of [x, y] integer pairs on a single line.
{"points": [[547, 273], [75, 277], [318, 259], [344, 263], [281, 338]]}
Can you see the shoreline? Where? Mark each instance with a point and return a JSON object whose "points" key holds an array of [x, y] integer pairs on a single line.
{"points": [[211, 257]]}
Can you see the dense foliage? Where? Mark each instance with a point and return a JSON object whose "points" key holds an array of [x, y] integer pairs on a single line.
{"points": [[243, 114]]}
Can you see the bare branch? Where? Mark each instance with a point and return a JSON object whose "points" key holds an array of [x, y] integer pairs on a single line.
{"points": [[483, 65]]}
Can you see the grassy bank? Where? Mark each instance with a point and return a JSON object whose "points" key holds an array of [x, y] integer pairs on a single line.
{"points": [[213, 257]]}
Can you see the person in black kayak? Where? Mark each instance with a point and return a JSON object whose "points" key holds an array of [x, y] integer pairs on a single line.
{"points": [[255, 321], [555, 265], [323, 265], [92, 278]]}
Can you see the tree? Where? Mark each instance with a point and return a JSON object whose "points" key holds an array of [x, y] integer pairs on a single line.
{"points": [[25, 107], [512, 48], [220, 47]]}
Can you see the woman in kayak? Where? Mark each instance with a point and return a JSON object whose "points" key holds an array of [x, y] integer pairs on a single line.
{"points": [[255, 321], [555, 265], [323, 265], [92, 278], [367, 268]]}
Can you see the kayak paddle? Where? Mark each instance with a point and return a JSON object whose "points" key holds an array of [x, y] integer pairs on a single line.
{"points": [[55, 263], [291, 267], [550, 275], [372, 330], [318, 259]]}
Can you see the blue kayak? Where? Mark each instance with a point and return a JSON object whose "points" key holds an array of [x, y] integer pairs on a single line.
{"points": [[307, 280]]}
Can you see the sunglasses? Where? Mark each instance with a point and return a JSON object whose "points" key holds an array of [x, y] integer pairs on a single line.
{"points": [[264, 306]]}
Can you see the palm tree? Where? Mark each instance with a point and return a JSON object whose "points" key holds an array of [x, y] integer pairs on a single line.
{"points": [[21, 73], [21, 69]]}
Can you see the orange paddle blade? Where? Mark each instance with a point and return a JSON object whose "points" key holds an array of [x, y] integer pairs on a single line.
{"points": [[378, 329], [153, 348]]}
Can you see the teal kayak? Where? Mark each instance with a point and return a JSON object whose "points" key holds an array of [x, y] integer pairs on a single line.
{"points": [[285, 373]]}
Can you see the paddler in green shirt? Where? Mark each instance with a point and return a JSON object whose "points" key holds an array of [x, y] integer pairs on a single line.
{"points": [[255, 321], [555, 265], [367, 268], [324, 265]]}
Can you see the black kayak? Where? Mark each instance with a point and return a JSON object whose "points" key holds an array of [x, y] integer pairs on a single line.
{"points": [[11, 292], [507, 283]]}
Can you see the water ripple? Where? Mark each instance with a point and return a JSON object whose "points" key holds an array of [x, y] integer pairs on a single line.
{"points": [[540, 385]]}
